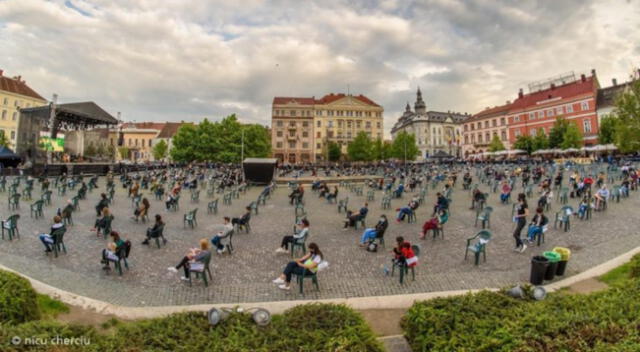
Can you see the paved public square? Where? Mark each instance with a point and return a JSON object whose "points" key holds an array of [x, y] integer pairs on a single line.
{"points": [[246, 275]]}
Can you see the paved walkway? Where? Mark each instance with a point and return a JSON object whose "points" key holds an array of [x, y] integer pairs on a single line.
{"points": [[246, 276]]}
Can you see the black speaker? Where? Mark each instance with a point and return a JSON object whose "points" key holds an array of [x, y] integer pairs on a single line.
{"points": [[259, 170]]}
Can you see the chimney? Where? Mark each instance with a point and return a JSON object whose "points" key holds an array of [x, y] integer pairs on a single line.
{"points": [[593, 72], [614, 81], [583, 78], [508, 102], [520, 94], [553, 86], [18, 78], [1, 72]]}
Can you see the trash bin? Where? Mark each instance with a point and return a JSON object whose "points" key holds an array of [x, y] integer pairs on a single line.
{"points": [[539, 266], [565, 254], [553, 259]]}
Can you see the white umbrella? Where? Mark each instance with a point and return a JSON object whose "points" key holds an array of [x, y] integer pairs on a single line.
{"points": [[517, 151], [539, 151], [571, 150], [610, 147]]}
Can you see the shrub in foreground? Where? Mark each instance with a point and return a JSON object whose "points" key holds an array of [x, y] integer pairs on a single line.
{"points": [[18, 300]]}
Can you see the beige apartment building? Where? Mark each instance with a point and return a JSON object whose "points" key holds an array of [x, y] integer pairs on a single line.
{"points": [[478, 131], [14, 95], [301, 128]]}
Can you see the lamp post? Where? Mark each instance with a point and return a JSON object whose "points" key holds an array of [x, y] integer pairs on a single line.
{"points": [[52, 121]]}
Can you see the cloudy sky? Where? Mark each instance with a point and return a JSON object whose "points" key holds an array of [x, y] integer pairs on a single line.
{"points": [[188, 59]]}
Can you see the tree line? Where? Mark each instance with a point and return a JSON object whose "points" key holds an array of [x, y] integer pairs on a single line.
{"points": [[364, 148], [622, 126]]}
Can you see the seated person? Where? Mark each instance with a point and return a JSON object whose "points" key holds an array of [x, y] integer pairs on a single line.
{"points": [[226, 231], [505, 192], [398, 191], [601, 196], [544, 199], [315, 185], [133, 191], [333, 195], [194, 255], [155, 231], [103, 203], [142, 210], [307, 265], [324, 190], [478, 198], [296, 194], [244, 219], [47, 239], [102, 222], [371, 234], [352, 218], [583, 207], [441, 204], [435, 222], [403, 254], [303, 231], [65, 213], [171, 198], [536, 227], [109, 255], [408, 210], [624, 187]]}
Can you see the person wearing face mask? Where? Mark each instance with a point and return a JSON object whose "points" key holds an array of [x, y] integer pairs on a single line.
{"points": [[303, 231], [372, 233], [307, 265]]}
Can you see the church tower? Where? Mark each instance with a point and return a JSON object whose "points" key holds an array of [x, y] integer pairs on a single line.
{"points": [[420, 107]]}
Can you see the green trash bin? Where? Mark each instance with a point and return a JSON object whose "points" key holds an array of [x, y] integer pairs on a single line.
{"points": [[553, 259], [565, 255]]}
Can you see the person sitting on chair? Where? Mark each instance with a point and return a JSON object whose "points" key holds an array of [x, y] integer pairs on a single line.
{"points": [[601, 196], [171, 198], [101, 222], [133, 191], [352, 218], [478, 198], [226, 231], [47, 239], [372, 233], [307, 265], [142, 210], [398, 191], [303, 230], [398, 258], [192, 256], [333, 195], [434, 223], [408, 210], [324, 190], [103, 203], [155, 231], [536, 227], [243, 219], [441, 203], [109, 255], [506, 192], [544, 199], [296, 194], [583, 207]]}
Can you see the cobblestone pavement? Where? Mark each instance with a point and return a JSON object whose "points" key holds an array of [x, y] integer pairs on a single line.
{"points": [[246, 275]]}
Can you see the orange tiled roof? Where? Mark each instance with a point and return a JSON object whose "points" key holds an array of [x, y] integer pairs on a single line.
{"points": [[17, 86]]}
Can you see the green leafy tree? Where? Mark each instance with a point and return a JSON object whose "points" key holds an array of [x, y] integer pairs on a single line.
{"points": [[4, 141], [404, 146], [124, 152], [572, 137], [496, 144], [381, 150], [524, 143], [627, 111], [334, 152], [556, 134], [607, 132], [540, 141], [111, 151], [160, 150], [361, 148]]}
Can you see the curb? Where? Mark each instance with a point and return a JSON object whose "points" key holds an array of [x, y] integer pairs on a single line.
{"points": [[277, 307]]}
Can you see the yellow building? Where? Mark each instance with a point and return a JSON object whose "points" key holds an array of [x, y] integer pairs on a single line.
{"points": [[15, 94], [301, 128], [138, 138]]}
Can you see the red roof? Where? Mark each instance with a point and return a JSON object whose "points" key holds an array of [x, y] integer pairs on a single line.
{"points": [[491, 112], [145, 125], [329, 98], [170, 129], [568, 90], [17, 86], [286, 100]]}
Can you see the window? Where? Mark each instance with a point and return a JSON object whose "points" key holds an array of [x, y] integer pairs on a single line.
{"points": [[13, 135], [292, 113], [319, 146], [305, 124], [584, 105], [367, 124], [4, 114], [516, 118], [292, 124], [486, 124], [318, 112], [549, 112], [349, 135], [540, 114], [129, 141], [330, 113], [559, 110], [279, 133], [473, 126], [14, 115], [473, 138], [278, 145], [532, 116], [6, 101], [466, 139], [319, 135], [569, 108], [587, 126], [503, 135], [487, 137], [339, 123], [149, 144], [349, 124], [466, 127], [330, 124], [292, 133], [319, 124], [305, 145], [305, 134], [479, 137], [378, 124], [136, 142], [358, 124], [517, 132], [494, 123], [279, 124], [308, 112], [292, 145]]}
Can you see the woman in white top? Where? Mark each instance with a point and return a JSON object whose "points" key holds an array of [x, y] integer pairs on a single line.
{"points": [[47, 239], [303, 230], [307, 265]]}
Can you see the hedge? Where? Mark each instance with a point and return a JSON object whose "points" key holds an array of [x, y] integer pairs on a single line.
{"points": [[488, 321], [18, 300]]}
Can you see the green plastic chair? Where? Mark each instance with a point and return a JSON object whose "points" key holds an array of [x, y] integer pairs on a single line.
{"points": [[254, 207], [195, 196], [212, 207], [484, 216], [201, 270], [58, 241], [300, 280], [14, 201], [46, 197], [482, 238], [11, 226], [563, 218], [299, 243], [106, 230], [36, 209], [190, 218], [342, 204]]}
